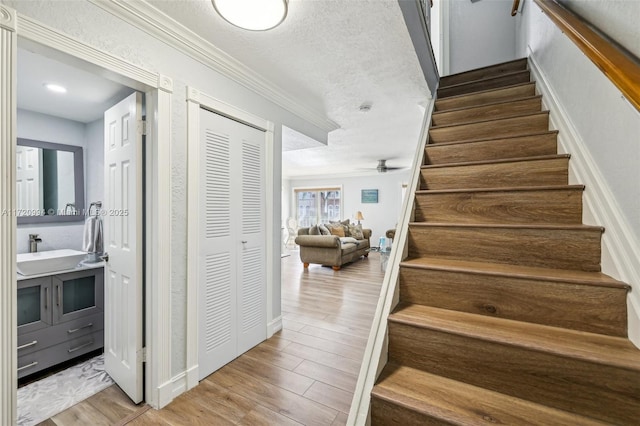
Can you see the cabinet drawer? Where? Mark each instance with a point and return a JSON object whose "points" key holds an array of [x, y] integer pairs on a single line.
{"points": [[41, 339], [39, 360]]}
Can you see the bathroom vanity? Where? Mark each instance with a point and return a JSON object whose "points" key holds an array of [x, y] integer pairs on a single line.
{"points": [[60, 316]]}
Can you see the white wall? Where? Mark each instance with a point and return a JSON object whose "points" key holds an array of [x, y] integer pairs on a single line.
{"points": [[480, 34], [42, 127], [607, 130], [94, 162], [378, 217], [436, 35], [92, 25], [618, 18]]}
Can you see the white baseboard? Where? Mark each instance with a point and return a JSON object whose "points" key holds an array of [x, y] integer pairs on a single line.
{"points": [[189, 379], [274, 326], [620, 249], [192, 377], [173, 388], [165, 394]]}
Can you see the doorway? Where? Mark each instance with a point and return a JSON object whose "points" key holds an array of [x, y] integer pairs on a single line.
{"points": [[158, 91], [67, 319]]}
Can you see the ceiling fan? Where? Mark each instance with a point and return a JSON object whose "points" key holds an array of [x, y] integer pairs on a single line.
{"points": [[383, 168]]}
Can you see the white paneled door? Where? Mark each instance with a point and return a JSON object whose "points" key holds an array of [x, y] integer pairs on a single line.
{"points": [[29, 180], [123, 242], [231, 272]]}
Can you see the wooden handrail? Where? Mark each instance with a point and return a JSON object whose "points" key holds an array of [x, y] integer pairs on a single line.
{"points": [[619, 66], [514, 7]]}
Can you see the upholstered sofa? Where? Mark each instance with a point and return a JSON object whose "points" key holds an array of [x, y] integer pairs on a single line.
{"points": [[331, 250]]}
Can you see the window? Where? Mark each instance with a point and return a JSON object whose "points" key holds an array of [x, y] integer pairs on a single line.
{"points": [[317, 205]]}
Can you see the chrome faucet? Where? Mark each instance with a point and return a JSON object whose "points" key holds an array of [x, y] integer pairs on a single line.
{"points": [[34, 239], [70, 208]]}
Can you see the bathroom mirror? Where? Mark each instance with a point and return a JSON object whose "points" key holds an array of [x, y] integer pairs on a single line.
{"points": [[50, 182]]}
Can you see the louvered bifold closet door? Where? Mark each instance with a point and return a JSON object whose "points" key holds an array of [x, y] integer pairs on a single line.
{"points": [[251, 268], [232, 279], [217, 308]]}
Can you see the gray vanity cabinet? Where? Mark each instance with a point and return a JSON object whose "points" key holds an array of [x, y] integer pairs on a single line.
{"points": [[59, 317]]}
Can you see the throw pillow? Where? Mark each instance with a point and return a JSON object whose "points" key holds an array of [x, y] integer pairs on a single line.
{"points": [[344, 224], [314, 230], [337, 230], [323, 230], [356, 232], [345, 240]]}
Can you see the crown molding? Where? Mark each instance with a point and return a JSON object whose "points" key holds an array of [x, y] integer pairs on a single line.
{"points": [[35, 31], [154, 22], [7, 18]]}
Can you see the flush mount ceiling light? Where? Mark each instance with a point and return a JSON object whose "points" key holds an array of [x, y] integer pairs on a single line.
{"points": [[255, 15], [56, 88]]}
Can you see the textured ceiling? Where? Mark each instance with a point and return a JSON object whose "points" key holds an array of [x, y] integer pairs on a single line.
{"points": [[335, 55]]}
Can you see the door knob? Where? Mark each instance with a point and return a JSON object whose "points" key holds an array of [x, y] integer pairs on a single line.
{"points": [[105, 257]]}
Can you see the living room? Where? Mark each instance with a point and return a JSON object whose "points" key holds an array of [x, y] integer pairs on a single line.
{"points": [[377, 197]]}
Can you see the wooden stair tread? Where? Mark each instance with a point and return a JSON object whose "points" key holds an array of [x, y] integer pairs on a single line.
{"points": [[517, 271], [496, 120], [516, 63], [442, 144], [489, 104], [546, 226], [461, 403], [480, 92], [489, 110], [501, 189], [487, 79], [498, 161], [539, 336], [596, 348], [484, 82], [485, 95]]}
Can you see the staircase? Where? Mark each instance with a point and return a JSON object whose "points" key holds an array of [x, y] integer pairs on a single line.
{"points": [[504, 316]]}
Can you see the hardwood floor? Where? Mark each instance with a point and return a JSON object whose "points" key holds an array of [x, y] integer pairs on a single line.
{"points": [[305, 374]]}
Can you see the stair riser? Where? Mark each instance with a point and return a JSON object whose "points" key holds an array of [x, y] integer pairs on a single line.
{"points": [[587, 308], [482, 73], [386, 413], [492, 83], [493, 149], [498, 175], [535, 206], [576, 249], [603, 392], [506, 109], [497, 95], [516, 126]]}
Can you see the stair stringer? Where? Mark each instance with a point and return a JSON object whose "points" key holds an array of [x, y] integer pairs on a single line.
{"points": [[376, 351], [620, 249]]}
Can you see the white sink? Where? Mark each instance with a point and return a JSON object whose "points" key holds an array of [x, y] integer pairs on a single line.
{"points": [[49, 261]]}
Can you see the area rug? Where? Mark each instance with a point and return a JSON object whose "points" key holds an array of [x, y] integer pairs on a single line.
{"points": [[45, 398]]}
